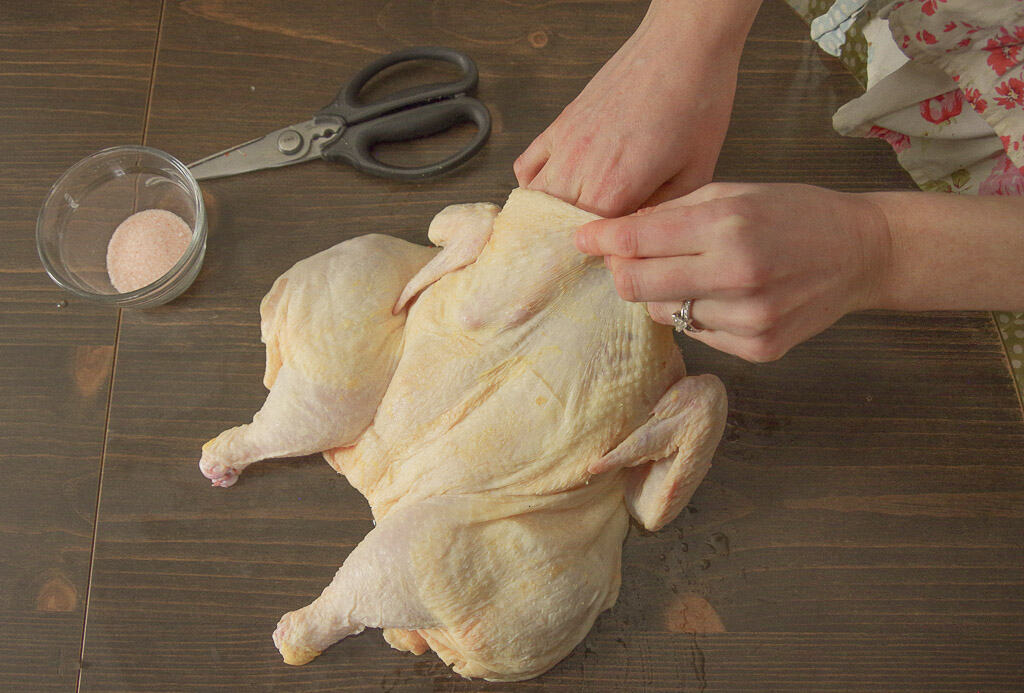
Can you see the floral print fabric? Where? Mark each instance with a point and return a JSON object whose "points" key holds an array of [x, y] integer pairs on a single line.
{"points": [[950, 102], [980, 45]]}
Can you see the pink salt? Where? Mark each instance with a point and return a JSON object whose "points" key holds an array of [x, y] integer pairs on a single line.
{"points": [[144, 247]]}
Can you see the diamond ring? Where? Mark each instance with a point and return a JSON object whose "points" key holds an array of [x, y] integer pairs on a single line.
{"points": [[682, 319]]}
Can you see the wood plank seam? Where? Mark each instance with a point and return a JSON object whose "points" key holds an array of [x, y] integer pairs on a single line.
{"points": [[110, 384]]}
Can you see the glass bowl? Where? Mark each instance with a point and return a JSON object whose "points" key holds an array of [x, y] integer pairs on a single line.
{"points": [[93, 197]]}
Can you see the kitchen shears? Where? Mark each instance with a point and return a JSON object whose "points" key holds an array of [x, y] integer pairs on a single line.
{"points": [[347, 129]]}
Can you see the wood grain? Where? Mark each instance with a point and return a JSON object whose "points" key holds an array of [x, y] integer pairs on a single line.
{"points": [[74, 78], [860, 530]]}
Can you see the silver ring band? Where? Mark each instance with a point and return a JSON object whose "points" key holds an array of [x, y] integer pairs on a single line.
{"points": [[682, 319]]}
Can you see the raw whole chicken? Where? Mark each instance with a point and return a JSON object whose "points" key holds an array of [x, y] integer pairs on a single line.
{"points": [[503, 412]]}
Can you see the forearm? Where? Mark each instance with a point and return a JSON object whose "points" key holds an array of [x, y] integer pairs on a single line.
{"points": [[708, 32], [950, 252], [687, 53]]}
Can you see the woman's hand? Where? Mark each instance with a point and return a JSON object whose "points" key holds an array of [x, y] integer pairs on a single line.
{"points": [[768, 266], [649, 126]]}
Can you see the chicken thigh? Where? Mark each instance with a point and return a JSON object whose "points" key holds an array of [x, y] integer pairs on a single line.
{"points": [[502, 411]]}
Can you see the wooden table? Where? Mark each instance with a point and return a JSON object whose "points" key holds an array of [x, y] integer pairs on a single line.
{"points": [[863, 525]]}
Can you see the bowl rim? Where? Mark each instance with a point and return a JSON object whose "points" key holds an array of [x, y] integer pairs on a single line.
{"points": [[190, 254]]}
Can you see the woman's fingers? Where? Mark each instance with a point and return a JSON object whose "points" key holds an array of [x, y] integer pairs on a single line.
{"points": [[582, 174], [650, 233], [687, 225], [530, 162], [661, 312], [719, 329], [705, 313], [748, 316], [754, 349], [767, 267], [660, 278]]}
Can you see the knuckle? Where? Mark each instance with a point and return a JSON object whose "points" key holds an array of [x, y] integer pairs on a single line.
{"points": [[758, 272], [723, 193], [628, 283], [627, 240], [540, 181], [616, 197], [737, 217], [738, 276], [760, 318], [582, 143], [762, 350], [660, 313], [715, 189], [660, 226], [611, 191], [749, 270]]}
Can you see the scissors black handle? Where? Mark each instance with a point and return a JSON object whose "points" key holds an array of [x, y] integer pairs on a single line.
{"points": [[352, 109], [420, 111]]}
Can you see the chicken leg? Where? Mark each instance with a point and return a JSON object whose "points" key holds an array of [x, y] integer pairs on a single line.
{"points": [[375, 587], [332, 345], [468, 574]]}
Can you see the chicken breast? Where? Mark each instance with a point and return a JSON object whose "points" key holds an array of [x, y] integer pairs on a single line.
{"points": [[502, 411]]}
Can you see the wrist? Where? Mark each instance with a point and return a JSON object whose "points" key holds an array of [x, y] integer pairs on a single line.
{"points": [[876, 223], [951, 252]]}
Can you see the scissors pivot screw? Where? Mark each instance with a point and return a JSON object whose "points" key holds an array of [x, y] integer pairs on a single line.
{"points": [[289, 142]]}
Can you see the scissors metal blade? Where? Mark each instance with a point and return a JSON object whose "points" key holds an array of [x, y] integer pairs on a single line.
{"points": [[290, 145]]}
